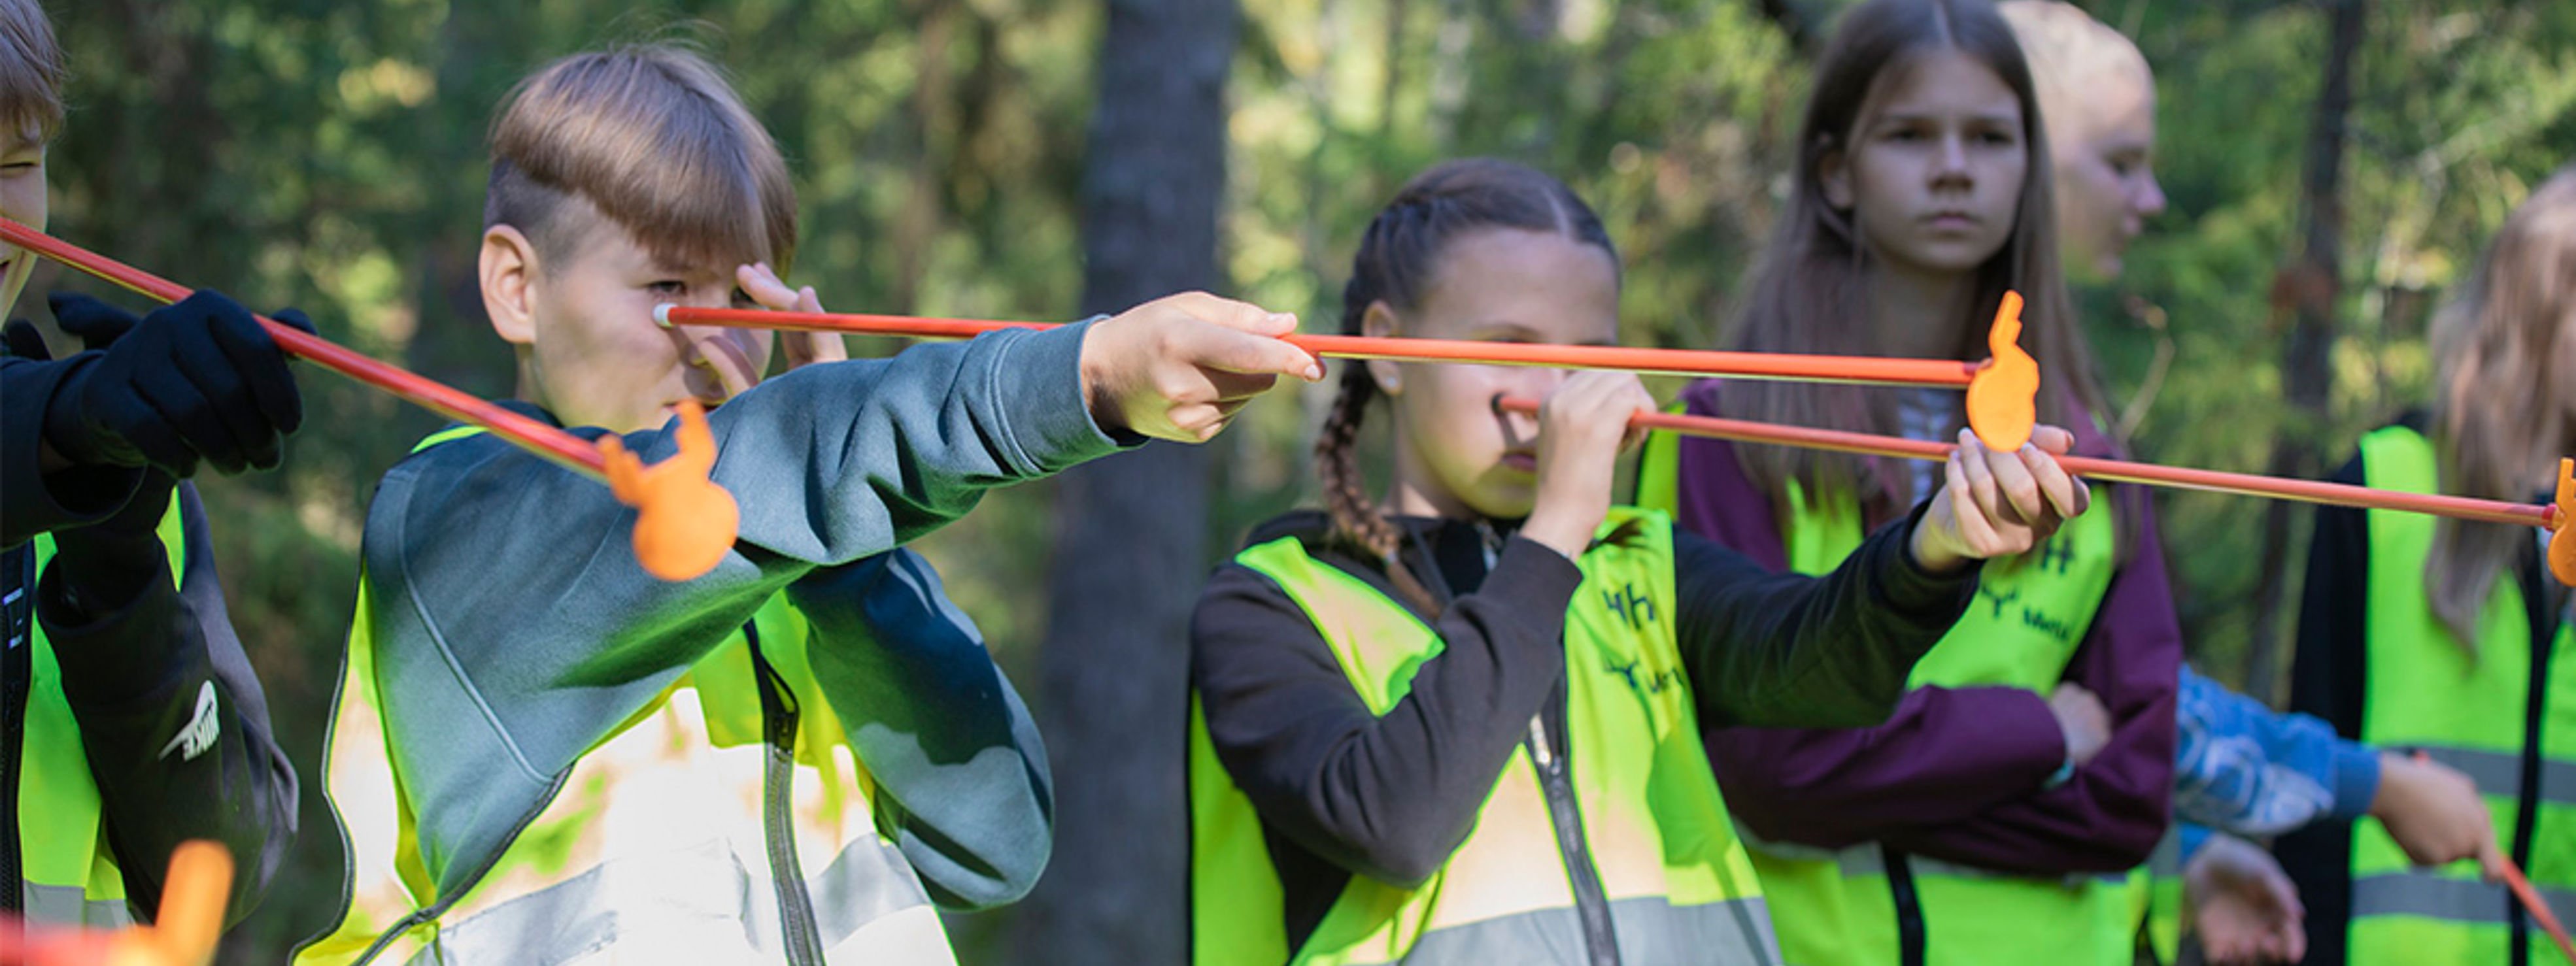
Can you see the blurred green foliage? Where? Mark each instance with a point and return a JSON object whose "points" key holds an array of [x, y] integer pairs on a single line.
{"points": [[328, 156]]}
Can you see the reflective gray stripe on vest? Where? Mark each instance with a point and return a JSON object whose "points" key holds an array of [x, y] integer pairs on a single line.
{"points": [[55, 905], [2430, 896], [700, 892], [2500, 773], [1734, 932]]}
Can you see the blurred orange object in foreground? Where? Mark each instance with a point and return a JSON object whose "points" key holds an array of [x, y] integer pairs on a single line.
{"points": [[184, 933]]}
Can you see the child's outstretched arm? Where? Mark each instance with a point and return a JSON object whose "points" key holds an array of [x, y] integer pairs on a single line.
{"points": [[499, 582], [1779, 650]]}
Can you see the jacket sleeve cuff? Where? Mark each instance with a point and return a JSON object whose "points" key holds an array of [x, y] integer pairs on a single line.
{"points": [[121, 655], [1913, 590], [1530, 571], [2356, 779], [41, 502], [1050, 425]]}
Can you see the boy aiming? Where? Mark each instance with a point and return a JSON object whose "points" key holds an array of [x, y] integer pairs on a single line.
{"points": [[543, 754]]}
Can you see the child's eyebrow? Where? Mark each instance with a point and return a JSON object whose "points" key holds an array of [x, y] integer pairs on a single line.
{"points": [[1518, 332], [1912, 117], [1505, 330]]}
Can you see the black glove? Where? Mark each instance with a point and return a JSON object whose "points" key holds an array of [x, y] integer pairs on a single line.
{"points": [[199, 380], [21, 340]]}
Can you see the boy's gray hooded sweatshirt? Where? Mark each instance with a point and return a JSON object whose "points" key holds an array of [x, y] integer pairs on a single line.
{"points": [[513, 628]]}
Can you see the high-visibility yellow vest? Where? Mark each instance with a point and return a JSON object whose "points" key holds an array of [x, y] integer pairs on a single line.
{"points": [[2165, 897], [1836, 907], [656, 846], [68, 872], [1665, 857], [2482, 713]]}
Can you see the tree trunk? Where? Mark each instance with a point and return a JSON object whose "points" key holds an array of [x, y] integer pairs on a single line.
{"points": [[2310, 288], [1133, 545]]}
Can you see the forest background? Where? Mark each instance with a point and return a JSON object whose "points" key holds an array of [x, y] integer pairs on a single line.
{"points": [[2333, 165]]}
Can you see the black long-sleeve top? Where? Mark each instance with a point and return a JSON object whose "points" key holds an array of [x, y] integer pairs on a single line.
{"points": [[1342, 791], [139, 655]]}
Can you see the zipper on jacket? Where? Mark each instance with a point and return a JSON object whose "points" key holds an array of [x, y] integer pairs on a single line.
{"points": [[1912, 941], [2535, 712], [16, 665], [1591, 905], [778, 714]]}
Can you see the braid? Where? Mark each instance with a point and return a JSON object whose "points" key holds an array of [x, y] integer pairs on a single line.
{"points": [[1356, 521]]}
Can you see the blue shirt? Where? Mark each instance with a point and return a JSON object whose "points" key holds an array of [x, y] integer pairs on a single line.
{"points": [[2243, 768]]}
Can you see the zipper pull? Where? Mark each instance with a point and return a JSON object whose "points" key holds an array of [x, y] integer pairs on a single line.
{"points": [[1539, 750]]}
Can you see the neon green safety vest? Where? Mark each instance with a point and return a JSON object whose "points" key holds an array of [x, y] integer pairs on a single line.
{"points": [[653, 849], [1836, 907], [1676, 879], [2164, 897], [70, 873], [2474, 712]]}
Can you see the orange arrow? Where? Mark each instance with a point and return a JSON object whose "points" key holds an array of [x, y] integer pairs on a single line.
{"points": [[2123, 471], [674, 521]]}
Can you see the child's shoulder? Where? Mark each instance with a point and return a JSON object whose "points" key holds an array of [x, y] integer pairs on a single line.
{"points": [[1313, 528]]}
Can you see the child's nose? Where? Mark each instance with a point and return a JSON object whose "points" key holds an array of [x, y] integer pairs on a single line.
{"points": [[1954, 156], [2151, 198]]}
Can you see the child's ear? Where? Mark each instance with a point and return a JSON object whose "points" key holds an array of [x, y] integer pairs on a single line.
{"points": [[1834, 175], [508, 271], [1379, 322]]}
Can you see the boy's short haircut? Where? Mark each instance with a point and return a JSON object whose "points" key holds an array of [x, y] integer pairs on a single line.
{"points": [[656, 140], [31, 71]]}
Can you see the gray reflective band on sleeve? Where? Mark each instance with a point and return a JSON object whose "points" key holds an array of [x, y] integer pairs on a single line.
{"points": [[71, 906]]}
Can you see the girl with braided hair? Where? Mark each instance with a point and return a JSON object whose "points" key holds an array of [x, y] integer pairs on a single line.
{"points": [[1461, 722]]}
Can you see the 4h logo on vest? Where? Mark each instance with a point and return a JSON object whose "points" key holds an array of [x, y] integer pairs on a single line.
{"points": [[2057, 554], [1635, 608], [1651, 683], [2004, 601]]}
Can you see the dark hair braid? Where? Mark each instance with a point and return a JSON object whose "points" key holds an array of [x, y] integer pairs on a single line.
{"points": [[1397, 259]]}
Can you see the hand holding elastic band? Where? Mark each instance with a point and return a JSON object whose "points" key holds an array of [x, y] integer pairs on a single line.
{"points": [[199, 380]]}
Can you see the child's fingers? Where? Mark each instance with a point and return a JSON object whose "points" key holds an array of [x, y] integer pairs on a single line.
{"points": [[1974, 529], [1234, 350], [2020, 489], [719, 353], [1241, 316], [2063, 491], [1978, 468], [2053, 439], [765, 288], [1239, 387]]}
